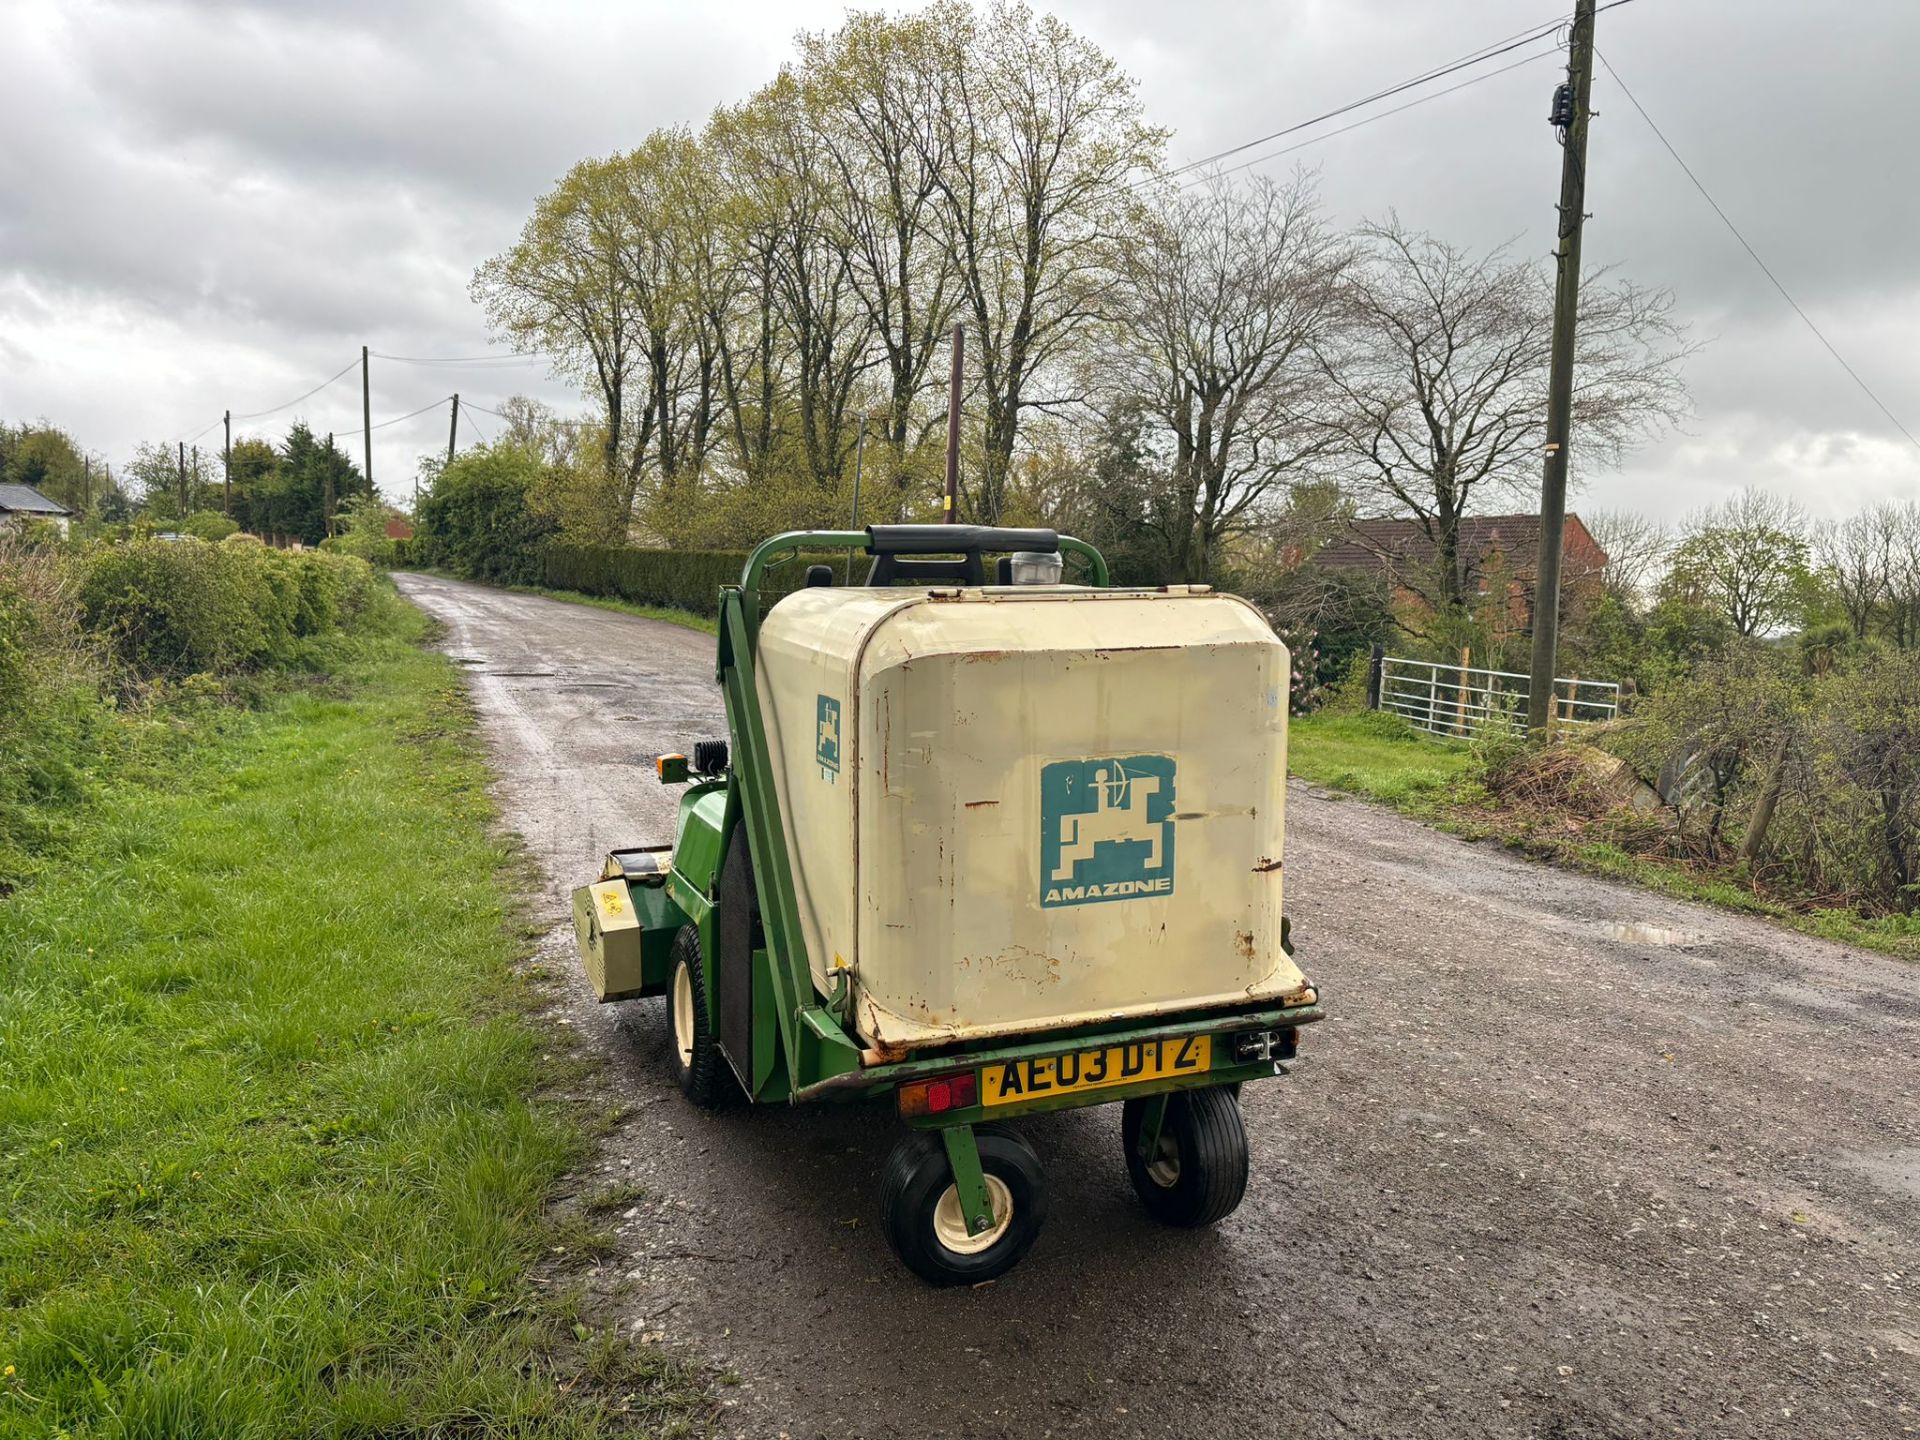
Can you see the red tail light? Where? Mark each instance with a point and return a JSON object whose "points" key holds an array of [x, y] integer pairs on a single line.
{"points": [[958, 1091]]}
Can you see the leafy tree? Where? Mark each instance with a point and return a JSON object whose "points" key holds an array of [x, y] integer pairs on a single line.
{"points": [[47, 459], [1746, 558], [1039, 131]]}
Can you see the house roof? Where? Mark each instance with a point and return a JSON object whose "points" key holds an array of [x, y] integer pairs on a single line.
{"points": [[26, 500], [1395, 543]]}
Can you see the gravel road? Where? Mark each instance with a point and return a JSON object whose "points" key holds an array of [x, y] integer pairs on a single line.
{"points": [[1569, 1160]]}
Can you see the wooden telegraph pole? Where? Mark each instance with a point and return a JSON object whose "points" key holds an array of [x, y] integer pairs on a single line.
{"points": [[953, 426], [326, 500], [1570, 117], [453, 430], [185, 498], [366, 413], [227, 504]]}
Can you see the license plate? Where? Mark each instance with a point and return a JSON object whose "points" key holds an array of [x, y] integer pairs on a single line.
{"points": [[1011, 1081]]}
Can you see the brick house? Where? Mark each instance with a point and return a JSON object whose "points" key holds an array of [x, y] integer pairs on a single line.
{"points": [[1495, 551]]}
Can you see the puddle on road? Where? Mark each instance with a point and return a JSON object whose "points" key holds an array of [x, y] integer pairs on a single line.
{"points": [[1635, 932], [1896, 1171]]}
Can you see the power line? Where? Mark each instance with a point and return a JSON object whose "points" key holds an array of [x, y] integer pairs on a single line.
{"points": [[485, 438], [518, 357], [1519, 39], [430, 405], [262, 414], [466, 405], [1369, 119], [1753, 254], [1473, 57]]}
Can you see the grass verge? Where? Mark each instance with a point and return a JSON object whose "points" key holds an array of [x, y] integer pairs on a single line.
{"points": [[707, 624], [272, 1150], [1379, 756], [1435, 780]]}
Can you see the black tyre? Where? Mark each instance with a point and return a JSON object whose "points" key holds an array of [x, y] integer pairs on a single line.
{"points": [[693, 1056], [1197, 1173], [920, 1208]]}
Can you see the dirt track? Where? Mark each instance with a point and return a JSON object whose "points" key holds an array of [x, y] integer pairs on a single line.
{"points": [[1570, 1160]]}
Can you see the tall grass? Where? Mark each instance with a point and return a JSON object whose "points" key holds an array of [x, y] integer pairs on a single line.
{"points": [[270, 1163]]}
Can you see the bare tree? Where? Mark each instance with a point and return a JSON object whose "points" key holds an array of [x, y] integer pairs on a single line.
{"points": [[1856, 558], [1039, 131], [1637, 549], [1221, 304], [1443, 367], [1903, 577]]}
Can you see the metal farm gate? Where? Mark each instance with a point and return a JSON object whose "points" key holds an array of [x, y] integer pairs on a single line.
{"points": [[1464, 701]]}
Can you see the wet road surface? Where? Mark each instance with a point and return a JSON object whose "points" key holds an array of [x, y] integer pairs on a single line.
{"points": [[1570, 1160]]}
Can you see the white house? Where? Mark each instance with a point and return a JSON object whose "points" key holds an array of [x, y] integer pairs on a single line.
{"points": [[22, 504]]}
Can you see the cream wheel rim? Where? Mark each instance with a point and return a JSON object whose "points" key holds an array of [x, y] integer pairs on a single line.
{"points": [[683, 1014], [1164, 1168], [950, 1221]]}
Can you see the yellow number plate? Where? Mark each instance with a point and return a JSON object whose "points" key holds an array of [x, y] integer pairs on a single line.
{"points": [[1035, 1079]]}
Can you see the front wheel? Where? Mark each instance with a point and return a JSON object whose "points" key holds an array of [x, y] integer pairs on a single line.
{"points": [[920, 1208], [693, 1055], [1194, 1171]]}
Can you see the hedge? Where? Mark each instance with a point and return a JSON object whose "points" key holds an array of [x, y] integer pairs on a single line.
{"points": [[183, 607], [674, 579]]}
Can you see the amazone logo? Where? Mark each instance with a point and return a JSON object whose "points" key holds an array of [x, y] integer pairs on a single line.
{"points": [[1113, 889], [1106, 829]]}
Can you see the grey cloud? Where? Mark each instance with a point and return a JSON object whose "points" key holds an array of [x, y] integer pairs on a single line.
{"points": [[216, 202]]}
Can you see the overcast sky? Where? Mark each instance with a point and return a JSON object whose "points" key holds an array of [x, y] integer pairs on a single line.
{"points": [[211, 205]]}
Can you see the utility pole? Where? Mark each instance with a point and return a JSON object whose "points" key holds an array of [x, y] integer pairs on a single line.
{"points": [[86, 483], [326, 501], [952, 515], [366, 412], [184, 497], [453, 430], [228, 502], [859, 454], [1570, 118]]}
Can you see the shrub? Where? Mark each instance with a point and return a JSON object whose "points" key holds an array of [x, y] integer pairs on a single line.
{"points": [[477, 520], [208, 525], [173, 608], [52, 709], [374, 549]]}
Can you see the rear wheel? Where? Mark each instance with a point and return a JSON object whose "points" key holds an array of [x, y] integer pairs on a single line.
{"points": [[1194, 1172], [920, 1207], [693, 1056]]}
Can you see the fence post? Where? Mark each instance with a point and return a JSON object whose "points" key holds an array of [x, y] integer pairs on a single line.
{"points": [[1460, 693], [1376, 663]]}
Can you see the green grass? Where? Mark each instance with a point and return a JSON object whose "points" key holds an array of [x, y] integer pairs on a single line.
{"points": [[270, 1143], [1379, 756]]}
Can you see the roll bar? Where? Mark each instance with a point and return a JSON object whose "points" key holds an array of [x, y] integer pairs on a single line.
{"points": [[884, 542]]}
